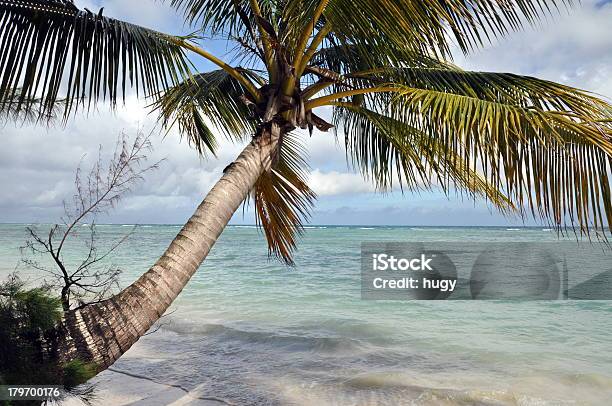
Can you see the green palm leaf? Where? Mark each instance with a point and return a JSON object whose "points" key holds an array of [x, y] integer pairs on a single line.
{"points": [[424, 25], [509, 88], [385, 149], [233, 18], [216, 15], [553, 163], [52, 46], [547, 146], [214, 95]]}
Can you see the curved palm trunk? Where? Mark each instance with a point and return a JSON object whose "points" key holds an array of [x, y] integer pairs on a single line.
{"points": [[102, 332]]}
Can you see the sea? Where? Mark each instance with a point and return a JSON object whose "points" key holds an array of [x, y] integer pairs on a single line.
{"points": [[249, 330]]}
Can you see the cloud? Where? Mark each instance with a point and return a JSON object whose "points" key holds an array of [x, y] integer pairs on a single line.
{"points": [[37, 164], [336, 183], [573, 47], [418, 213]]}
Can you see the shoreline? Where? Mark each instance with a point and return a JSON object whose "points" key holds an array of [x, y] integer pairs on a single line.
{"points": [[121, 388]]}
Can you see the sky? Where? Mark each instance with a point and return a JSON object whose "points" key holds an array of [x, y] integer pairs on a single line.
{"points": [[37, 164]]}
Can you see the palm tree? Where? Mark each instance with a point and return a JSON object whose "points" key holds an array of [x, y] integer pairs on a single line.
{"points": [[408, 116]]}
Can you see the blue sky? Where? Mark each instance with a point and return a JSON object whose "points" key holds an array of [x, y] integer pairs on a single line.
{"points": [[37, 164]]}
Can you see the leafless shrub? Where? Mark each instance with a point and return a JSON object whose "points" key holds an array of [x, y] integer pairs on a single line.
{"points": [[90, 279]]}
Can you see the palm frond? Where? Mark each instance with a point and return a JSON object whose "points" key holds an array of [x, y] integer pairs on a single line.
{"points": [[283, 200], [281, 20], [524, 91], [554, 163], [50, 46], [237, 17], [216, 16], [299, 22], [547, 146], [347, 66], [384, 148], [234, 18], [346, 59], [418, 24], [214, 95], [10, 111]]}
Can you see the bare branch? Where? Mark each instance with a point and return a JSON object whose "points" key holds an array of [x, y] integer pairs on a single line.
{"points": [[159, 325], [98, 191]]}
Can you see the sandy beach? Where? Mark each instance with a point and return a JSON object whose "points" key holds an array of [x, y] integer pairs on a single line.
{"points": [[120, 388]]}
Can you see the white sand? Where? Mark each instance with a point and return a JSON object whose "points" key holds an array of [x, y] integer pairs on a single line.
{"points": [[113, 388], [118, 388]]}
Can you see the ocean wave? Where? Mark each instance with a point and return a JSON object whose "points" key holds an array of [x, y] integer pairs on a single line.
{"points": [[593, 380], [513, 229], [366, 228], [275, 339], [396, 388]]}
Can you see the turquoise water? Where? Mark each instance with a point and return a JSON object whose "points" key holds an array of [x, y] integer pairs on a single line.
{"points": [[251, 331]]}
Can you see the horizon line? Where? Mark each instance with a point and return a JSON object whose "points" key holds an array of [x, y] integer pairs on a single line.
{"points": [[306, 226]]}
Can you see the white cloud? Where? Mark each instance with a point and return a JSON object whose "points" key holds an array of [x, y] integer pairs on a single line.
{"points": [[37, 165], [572, 47], [335, 183]]}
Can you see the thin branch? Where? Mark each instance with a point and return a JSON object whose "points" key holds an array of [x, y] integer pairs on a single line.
{"points": [[159, 324], [95, 194], [105, 255]]}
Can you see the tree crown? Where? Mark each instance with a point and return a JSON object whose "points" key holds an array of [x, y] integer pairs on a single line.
{"points": [[409, 117]]}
